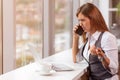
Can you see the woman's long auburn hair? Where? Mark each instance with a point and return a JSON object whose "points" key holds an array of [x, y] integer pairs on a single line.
{"points": [[97, 21]]}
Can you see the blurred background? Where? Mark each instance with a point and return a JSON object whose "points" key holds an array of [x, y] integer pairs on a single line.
{"points": [[46, 25]]}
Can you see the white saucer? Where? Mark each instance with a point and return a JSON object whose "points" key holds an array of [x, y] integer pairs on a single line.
{"points": [[46, 74]]}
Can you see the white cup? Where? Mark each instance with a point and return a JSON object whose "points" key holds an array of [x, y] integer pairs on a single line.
{"points": [[45, 67]]}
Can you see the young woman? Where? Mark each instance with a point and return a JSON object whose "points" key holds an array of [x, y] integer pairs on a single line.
{"points": [[102, 58]]}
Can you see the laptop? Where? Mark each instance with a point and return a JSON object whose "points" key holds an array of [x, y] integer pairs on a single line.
{"points": [[55, 66], [34, 52]]}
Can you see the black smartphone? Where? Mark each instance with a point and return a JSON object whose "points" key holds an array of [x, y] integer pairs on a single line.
{"points": [[79, 30]]}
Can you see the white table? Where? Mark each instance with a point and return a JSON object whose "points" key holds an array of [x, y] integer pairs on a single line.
{"points": [[29, 72]]}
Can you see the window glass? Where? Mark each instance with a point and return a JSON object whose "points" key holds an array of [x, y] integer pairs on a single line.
{"points": [[114, 3], [114, 12], [28, 30], [62, 24]]}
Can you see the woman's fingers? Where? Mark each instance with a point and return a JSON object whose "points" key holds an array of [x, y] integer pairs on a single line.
{"points": [[74, 31], [93, 50], [99, 52], [96, 51], [75, 28]]}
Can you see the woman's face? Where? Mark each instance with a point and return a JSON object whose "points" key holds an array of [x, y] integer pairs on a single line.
{"points": [[84, 22]]}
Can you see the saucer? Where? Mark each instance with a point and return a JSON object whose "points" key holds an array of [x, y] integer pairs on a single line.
{"points": [[46, 73]]}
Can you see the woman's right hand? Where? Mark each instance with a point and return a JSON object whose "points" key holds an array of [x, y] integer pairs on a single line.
{"points": [[75, 43], [74, 31]]}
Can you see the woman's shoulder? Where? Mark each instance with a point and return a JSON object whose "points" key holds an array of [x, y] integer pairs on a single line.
{"points": [[109, 35], [109, 41]]}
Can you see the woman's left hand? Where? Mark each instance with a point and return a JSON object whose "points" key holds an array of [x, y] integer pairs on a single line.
{"points": [[93, 50], [96, 51], [99, 52]]}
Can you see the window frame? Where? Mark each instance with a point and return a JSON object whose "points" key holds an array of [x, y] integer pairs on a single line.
{"points": [[8, 35], [1, 58], [48, 32]]}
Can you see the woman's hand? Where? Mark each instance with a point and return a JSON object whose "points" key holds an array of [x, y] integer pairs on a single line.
{"points": [[93, 50], [96, 51], [100, 54], [74, 31]]}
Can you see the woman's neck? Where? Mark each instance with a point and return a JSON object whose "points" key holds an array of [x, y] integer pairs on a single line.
{"points": [[92, 32]]}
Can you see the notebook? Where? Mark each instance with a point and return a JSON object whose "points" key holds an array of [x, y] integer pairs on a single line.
{"points": [[61, 67]]}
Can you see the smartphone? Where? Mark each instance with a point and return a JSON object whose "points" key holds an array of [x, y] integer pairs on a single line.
{"points": [[79, 30]]}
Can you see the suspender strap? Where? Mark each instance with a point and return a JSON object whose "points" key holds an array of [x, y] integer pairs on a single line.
{"points": [[98, 42]]}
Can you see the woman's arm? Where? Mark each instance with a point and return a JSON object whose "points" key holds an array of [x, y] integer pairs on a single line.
{"points": [[110, 55], [104, 59], [75, 43], [98, 51], [109, 45], [75, 48]]}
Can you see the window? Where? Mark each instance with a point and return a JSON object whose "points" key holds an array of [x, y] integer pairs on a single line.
{"points": [[114, 20], [114, 12], [32, 24], [28, 30], [63, 11]]}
